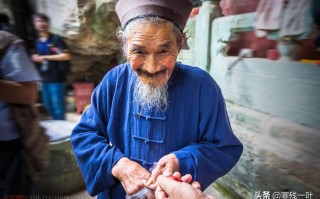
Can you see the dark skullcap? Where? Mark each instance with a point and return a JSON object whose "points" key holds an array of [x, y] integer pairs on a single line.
{"points": [[176, 11]]}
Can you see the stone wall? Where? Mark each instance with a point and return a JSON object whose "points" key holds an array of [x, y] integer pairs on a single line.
{"points": [[89, 27], [279, 156], [273, 107], [281, 137]]}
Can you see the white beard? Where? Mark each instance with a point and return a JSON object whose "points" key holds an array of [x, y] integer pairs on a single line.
{"points": [[149, 97]]}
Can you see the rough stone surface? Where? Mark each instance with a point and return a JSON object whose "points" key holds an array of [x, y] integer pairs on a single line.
{"points": [[279, 155], [288, 89], [89, 27], [97, 32], [274, 110]]}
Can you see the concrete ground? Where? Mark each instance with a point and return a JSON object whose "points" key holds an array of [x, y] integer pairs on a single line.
{"points": [[73, 117], [81, 193]]}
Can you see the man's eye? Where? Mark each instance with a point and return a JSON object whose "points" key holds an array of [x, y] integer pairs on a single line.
{"points": [[164, 51], [140, 52]]}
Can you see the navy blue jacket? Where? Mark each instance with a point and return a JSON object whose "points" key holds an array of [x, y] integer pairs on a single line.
{"points": [[195, 127]]}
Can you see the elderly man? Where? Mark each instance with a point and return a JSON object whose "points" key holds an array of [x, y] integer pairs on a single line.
{"points": [[153, 112]]}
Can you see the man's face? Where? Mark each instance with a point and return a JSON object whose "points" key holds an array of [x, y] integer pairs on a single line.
{"points": [[152, 51], [40, 25]]}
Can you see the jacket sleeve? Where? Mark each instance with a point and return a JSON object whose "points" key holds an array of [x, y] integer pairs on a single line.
{"points": [[94, 153], [218, 149]]}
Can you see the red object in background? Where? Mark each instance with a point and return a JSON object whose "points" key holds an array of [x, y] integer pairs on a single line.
{"points": [[194, 12], [82, 93], [113, 63], [232, 7], [273, 54], [260, 46], [54, 49]]}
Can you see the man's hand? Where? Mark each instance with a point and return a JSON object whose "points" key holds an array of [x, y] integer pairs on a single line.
{"points": [[166, 166], [168, 188], [131, 174]]}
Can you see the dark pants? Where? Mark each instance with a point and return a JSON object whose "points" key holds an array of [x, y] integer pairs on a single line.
{"points": [[14, 178]]}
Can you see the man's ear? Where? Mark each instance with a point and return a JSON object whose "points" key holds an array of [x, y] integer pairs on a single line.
{"points": [[122, 40], [120, 36], [184, 43]]}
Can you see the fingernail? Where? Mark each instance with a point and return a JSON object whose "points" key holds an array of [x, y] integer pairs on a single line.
{"points": [[149, 182], [145, 183]]}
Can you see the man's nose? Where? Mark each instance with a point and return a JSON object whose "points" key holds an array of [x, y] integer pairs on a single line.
{"points": [[151, 64]]}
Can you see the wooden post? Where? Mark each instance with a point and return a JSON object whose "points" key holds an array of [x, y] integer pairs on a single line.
{"points": [[207, 13]]}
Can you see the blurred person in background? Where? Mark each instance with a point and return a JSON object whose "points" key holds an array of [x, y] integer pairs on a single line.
{"points": [[18, 85], [52, 56], [153, 110]]}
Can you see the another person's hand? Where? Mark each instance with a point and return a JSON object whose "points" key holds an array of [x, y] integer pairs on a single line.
{"points": [[186, 178], [166, 166], [169, 188], [37, 58], [131, 175]]}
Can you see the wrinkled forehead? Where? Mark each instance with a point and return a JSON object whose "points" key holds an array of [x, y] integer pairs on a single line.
{"points": [[148, 31]]}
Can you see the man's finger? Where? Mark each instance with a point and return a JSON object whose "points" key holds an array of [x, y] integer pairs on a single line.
{"points": [[159, 194], [146, 175], [155, 172], [153, 186], [151, 180]]}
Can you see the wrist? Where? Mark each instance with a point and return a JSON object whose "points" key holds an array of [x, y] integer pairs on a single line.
{"points": [[117, 169], [174, 159]]}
